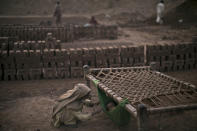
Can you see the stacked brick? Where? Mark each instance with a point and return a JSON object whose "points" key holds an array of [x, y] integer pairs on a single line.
{"points": [[49, 64], [132, 55], [76, 62], [173, 57], [35, 64], [62, 63], [25, 62], [65, 34], [113, 56], [101, 60], [49, 43], [8, 70], [88, 57], [22, 64]]}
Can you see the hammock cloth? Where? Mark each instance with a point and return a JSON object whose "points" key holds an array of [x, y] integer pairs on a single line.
{"points": [[118, 115]]}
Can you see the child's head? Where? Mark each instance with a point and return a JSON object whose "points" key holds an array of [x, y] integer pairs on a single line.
{"points": [[111, 106]]}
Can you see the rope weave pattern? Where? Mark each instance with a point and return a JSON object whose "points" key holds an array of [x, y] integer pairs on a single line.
{"points": [[147, 87]]}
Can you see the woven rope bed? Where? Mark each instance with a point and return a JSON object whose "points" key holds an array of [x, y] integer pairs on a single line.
{"points": [[146, 90]]}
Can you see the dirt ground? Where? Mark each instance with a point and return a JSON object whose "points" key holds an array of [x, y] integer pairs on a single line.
{"points": [[27, 106]]}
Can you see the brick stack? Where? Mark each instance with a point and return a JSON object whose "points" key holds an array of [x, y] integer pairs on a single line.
{"points": [[62, 63], [8, 70], [113, 56], [22, 66], [89, 57], [132, 55], [35, 64], [101, 60], [49, 65], [76, 62]]}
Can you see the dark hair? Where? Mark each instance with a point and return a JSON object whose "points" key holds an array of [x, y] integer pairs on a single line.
{"points": [[161, 1], [58, 2]]}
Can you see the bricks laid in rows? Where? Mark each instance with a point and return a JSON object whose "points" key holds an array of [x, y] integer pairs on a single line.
{"points": [[66, 33]]}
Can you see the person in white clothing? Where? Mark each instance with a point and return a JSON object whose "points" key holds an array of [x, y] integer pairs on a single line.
{"points": [[160, 12]]}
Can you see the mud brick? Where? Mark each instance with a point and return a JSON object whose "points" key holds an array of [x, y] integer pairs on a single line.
{"points": [[49, 73], [190, 64], [4, 46], [189, 56], [16, 46], [35, 73], [179, 65], [139, 50], [4, 39], [34, 60], [49, 41], [168, 58], [9, 74], [138, 60], [123, 49], [157, 66], [22, 74], [113, 50], [127, 50], [21, 45], [113, 34], [76, 72], [1, 74], [48, 58], [101, 63], [21, 59], [43, 45], [64, 56], [189, 47], [166, 66], [178, 57], [154, 58], [180, 49], [34, 45], [114, 61], [89, 57], [25, 46], [63, 72], [126, 61], [165, 50], [7, 61], [194, 39], [101, 59], [39, 44], [76, 59], [57, 44], [11, 41]]}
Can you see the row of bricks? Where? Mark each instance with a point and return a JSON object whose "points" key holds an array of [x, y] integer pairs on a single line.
{"points": [[72, 57], [171, 49], [41, 73], [32, 45], [176, 66], [62, 33], [186, 56]]}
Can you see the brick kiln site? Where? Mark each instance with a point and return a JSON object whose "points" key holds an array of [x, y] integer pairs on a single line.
{"points": [[142, 74]]}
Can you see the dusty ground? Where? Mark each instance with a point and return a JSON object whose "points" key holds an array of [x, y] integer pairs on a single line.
{"points": [[27, 106]]}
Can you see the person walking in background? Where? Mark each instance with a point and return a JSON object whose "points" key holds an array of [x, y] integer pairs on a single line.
{"points": [[93, 21], [58, 14], [160, 12]]}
